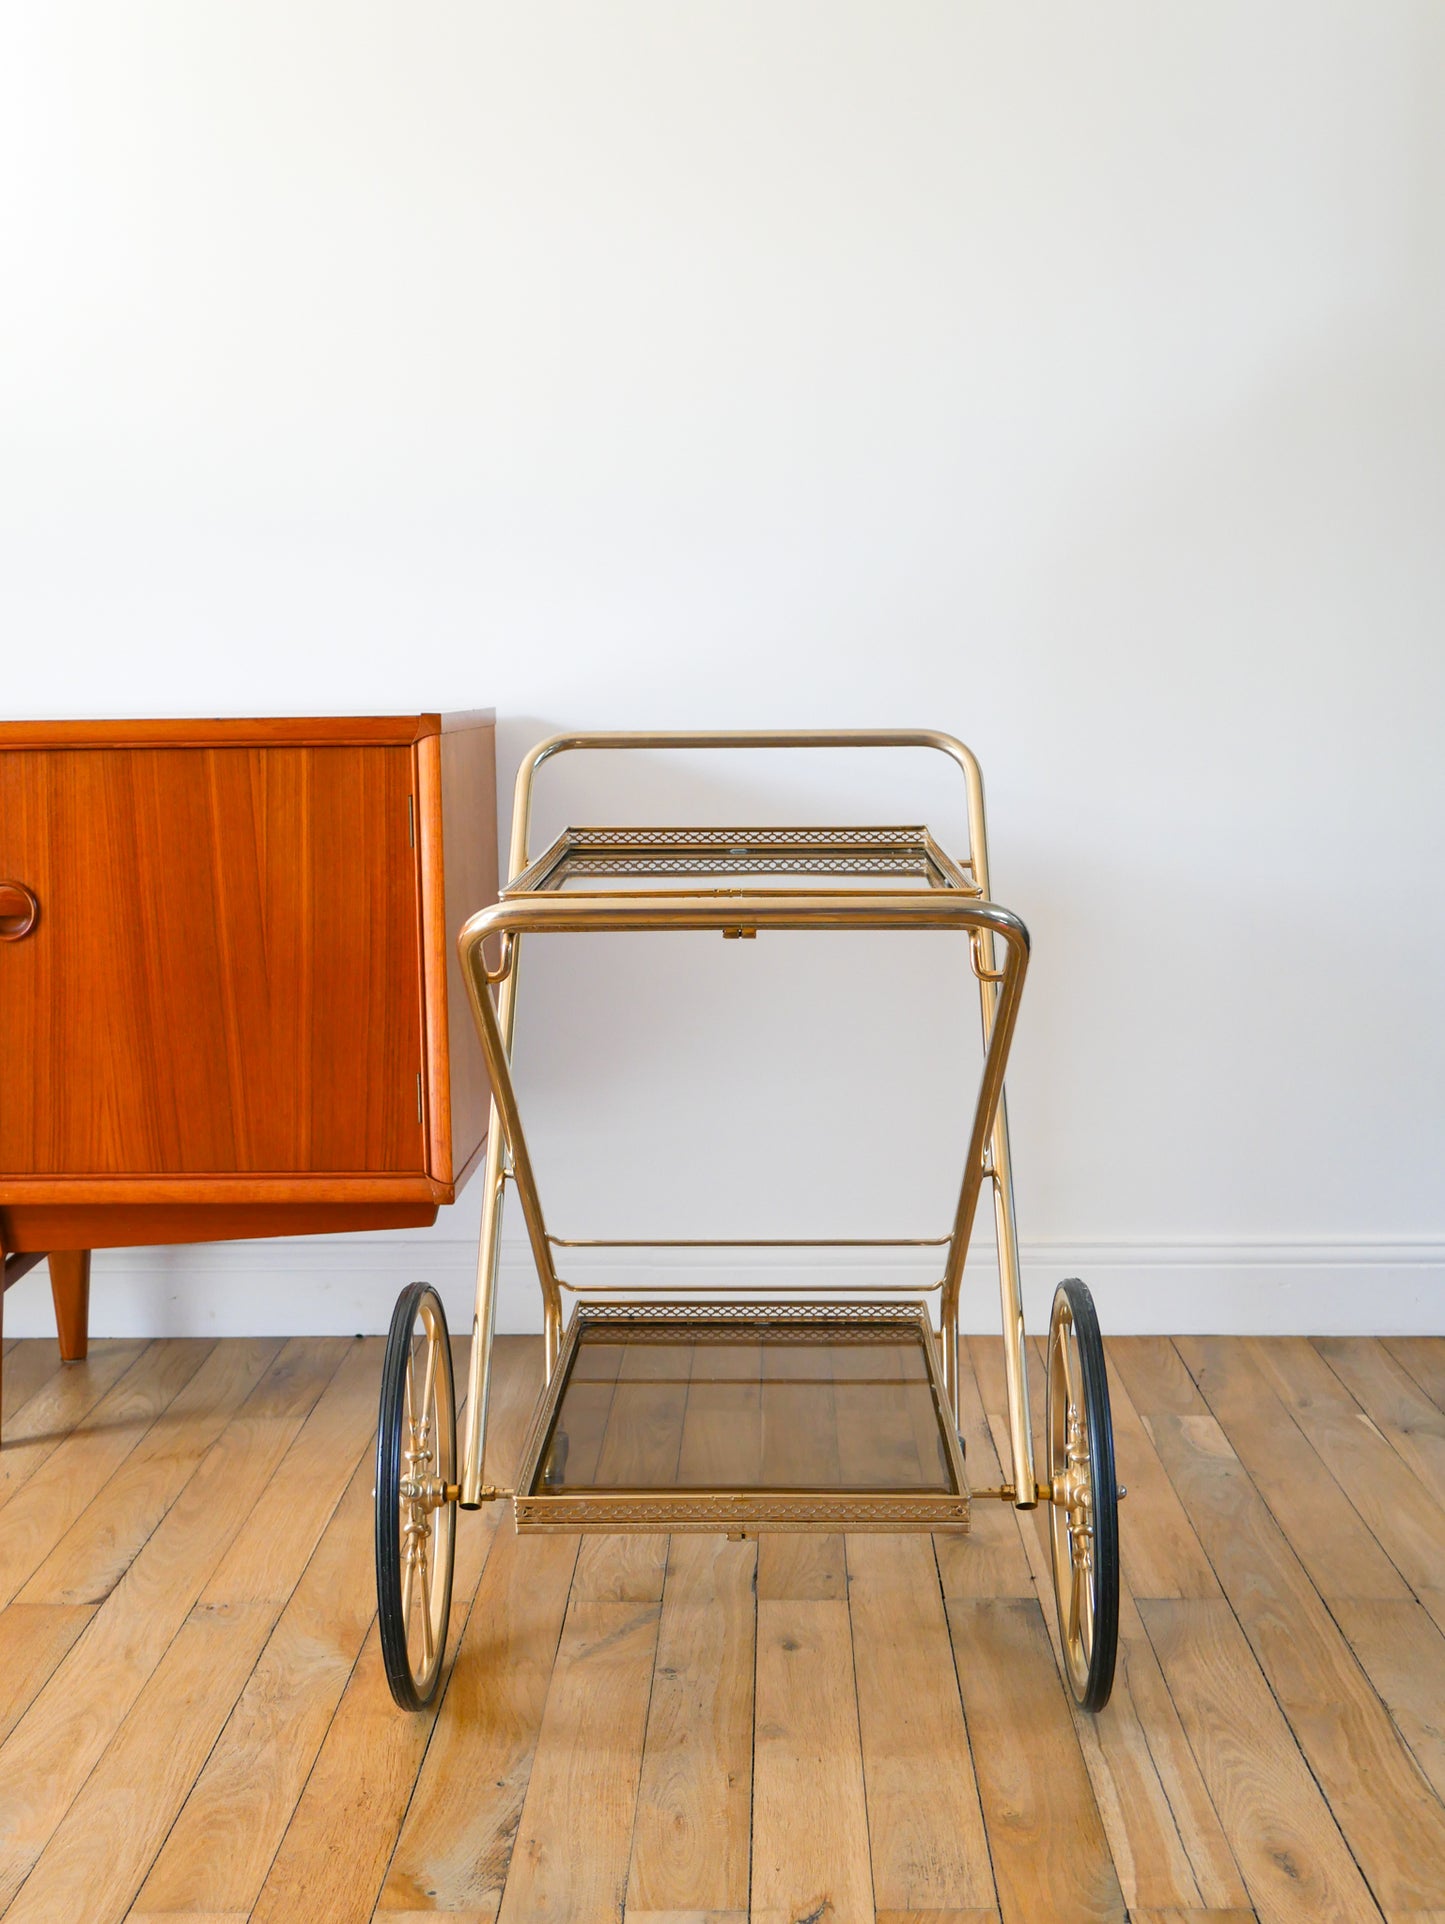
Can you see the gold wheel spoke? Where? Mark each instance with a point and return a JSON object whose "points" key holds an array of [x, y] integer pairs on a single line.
{"points": [[1084, 1606], [430, 1381], [407, 1567], [1063, 1582], [428, 1636], [1057, 1409], [426, 1448], [1066, 1363], [410, 1396]]}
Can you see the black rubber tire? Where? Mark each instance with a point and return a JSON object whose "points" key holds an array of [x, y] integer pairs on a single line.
{"points": [[391, 1424], [1099, 1424]]}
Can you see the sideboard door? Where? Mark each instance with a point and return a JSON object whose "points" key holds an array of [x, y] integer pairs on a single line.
{"points": [[225, 972]]}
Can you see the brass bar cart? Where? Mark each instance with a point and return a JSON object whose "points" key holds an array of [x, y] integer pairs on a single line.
{"points": [[665, 1412]]}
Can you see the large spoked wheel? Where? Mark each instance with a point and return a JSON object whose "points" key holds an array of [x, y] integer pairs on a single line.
{"points": [[1084, 1512], [416, 1525]]}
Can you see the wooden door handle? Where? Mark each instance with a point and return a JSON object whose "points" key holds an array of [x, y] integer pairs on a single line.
{"points": [[19, 911]]}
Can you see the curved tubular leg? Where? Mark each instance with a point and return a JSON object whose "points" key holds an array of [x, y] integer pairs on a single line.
{"points": [[1010, 1292], [990, 1139], [484, 1317], [1010, 1286], [494, 1025]]}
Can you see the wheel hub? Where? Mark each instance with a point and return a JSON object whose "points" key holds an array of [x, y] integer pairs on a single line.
{"points": [[423, 1493], [1077, 1492]]}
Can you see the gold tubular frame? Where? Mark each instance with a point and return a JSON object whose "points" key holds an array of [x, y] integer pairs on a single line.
{"points": [[956, 898]]}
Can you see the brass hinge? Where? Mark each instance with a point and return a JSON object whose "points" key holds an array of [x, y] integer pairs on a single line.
{"points": [[418, 1098], [411, 821]]}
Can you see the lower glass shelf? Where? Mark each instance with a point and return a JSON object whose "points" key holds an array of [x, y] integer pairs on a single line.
{"points": [[784, 1416]]}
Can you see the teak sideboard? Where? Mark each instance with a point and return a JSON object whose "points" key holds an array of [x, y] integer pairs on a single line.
{"points": [[230, 1003]]}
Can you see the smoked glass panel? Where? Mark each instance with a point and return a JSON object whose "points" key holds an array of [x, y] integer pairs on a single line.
{"points": [[732, 1407]]}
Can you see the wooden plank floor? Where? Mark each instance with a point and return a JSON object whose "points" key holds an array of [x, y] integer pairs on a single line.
{"points": [[195, 1726]]}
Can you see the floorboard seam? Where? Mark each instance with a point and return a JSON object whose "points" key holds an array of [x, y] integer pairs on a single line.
{"points": [[1411, 1469], [1249, 1644], [647, 1713], [967, 1731], [260, 1659], [106, 1749]]}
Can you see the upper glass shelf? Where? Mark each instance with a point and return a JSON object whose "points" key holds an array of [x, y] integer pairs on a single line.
{"points": [[688, 860]]}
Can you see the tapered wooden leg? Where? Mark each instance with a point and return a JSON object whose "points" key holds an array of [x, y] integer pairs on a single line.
{"points": [[70, 1286]]}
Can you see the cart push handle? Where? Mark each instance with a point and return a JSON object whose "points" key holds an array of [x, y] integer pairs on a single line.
{"points": [[949, 745]]}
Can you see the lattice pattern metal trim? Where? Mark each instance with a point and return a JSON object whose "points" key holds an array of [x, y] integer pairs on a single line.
{"points": [[821, 1316], [723, 861], [607, 1511], [882, 851], [850, 837], [742, 1329]]}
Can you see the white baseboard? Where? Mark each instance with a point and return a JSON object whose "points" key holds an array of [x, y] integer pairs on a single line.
{"points": [[345, 1285]]}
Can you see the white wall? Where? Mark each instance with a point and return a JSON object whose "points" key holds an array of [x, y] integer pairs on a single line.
{"points": [[1070, 378]]}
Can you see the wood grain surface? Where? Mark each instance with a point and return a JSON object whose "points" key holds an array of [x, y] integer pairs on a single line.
{"points": [[237, 1011], [225, 977], [195, 1725]]}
